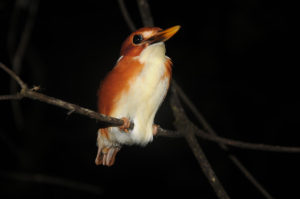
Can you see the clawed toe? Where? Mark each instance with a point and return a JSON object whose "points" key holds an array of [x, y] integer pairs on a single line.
{"points": [[155, 129], [126, 125], [107, 156]]}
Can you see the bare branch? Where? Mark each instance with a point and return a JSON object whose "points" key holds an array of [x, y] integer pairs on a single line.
{"points": [[192, 107], [244, 145], [126, 15], [249, 176], [18, 55], [210, 130], [32, 94], [73, 108], [168, 133], [230, 142], [145, 12], [25, 36], [183, 124], [50, 180], [10, 97], [13, 75]]}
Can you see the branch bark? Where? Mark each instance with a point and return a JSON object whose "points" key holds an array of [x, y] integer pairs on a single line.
{"points": [[145, 13], [211, 131], [183, 124], [111, 121], [126, 15], [11, 97], [18, 55]]}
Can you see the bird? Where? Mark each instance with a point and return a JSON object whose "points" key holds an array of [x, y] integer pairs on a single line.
{"points": [[133, 91]]}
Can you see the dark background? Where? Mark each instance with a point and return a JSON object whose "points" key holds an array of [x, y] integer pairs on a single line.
{"points": [[237, 60]]}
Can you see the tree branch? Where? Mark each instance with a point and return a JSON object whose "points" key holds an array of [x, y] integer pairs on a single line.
{"points": [[145, 12], [73, 108], [126, 15], [111, 121], [210, 130], [11, 97], [183, 124], [18, 55], [32, 94], [14, 76], [244, 145], [25, 36]]}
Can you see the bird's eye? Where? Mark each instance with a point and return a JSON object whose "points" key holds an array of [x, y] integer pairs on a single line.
{"points": [[137, 39]]}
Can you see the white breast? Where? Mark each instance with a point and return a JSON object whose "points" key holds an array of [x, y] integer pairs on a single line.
{"points": [[144, 97]]}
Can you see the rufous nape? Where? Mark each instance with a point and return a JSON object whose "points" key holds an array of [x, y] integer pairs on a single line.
{"points": [[133, 91]]}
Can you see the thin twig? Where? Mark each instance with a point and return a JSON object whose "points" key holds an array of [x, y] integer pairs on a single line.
{"points": [[72, 107], [250, 177], [32, 94], [183, 124], [50, 180], [111, 121], [11, 97], [245, 145], [25, 36], [168, 133], [210, 130], [13, 75], [230, 142], [20, 51], [145, 12], [126, 15], [206, 167]]}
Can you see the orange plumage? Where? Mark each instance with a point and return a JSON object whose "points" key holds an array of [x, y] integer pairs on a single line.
{"points": [[134, 90]]}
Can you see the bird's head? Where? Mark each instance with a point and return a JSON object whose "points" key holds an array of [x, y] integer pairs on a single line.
{"points": [[137, 41]]}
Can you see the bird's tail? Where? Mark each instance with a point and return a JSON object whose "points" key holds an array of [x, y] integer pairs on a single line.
{"points": [[107, 150]]}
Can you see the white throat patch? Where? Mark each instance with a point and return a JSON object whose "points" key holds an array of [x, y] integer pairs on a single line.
{"points": [[153, 52]]}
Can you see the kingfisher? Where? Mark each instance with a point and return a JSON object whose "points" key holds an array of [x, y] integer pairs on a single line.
{"points": [[133, 91]]}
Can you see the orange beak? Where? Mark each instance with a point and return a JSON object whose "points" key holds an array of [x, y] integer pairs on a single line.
{"points": [[164, 35]]}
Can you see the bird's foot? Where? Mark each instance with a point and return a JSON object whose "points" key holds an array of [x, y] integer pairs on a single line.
{"points": [[107, 149], [126, 125], [155, 129], [106, 156]]}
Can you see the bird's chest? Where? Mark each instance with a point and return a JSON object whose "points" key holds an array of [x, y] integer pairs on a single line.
{"points": [[146, 91]]}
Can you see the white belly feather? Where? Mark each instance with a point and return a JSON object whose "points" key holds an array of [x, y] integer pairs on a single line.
{"points": [[144, 97]]}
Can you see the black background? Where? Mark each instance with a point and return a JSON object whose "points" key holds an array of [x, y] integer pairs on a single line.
{"points": [[237, 60]]}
